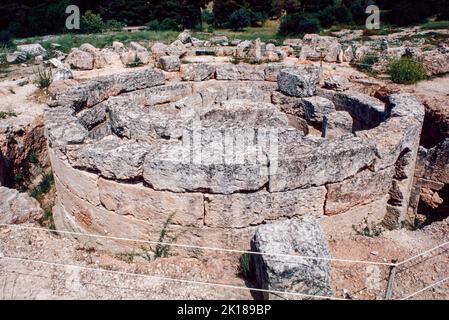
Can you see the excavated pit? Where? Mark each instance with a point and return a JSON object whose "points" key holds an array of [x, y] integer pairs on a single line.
{"points": [[224, 150]]}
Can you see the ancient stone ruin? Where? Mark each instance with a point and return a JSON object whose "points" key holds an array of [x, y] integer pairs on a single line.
{"points": [[225, 149]]}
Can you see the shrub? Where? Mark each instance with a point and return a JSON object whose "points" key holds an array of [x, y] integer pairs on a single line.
{"points": [[169, 24], [245, 265], [406, 71], [343, 15], [239, 19], [208, 17], [6, 37], [153, 25], [367, 62], [406, 13], [114, 25], [299, 23], [435, 25], [43, 77], [327, 17], [92, 23], [358, 12], [257, 18]]}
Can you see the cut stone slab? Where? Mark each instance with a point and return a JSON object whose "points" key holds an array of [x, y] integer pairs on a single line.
{"points": [[239, 72], [197, 71], [112, 158], [170, 63], [303, 237], [299, 81], [243, 209]]}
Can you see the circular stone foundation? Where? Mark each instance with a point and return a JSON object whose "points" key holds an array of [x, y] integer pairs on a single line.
{"points": [[210, 157]]}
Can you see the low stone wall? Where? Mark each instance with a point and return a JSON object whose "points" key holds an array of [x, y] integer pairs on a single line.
{"points": [[116, 174]]}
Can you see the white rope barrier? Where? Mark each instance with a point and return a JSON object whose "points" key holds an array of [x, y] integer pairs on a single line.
{"points": [[194, 282], [426, 288], [202, 247]]}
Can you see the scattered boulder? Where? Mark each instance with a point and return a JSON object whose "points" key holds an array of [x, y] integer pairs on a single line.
{"points": [[16, 57], [62, 73], [32, 50], [79, 59], [218, 40], [158, 50], [118, 47], [300, 236], [177, 48], [336, 83], [16, 207], [141, 53], [185, 37], [170, 63], [129, 57], [299, 81]]}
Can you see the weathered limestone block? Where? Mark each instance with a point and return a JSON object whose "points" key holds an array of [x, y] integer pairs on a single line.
{"points": [[158, 50], [391, 138], [336, 83], [197, 72], [438, 163], [240, 210], [185, 36], [239, 72], [99, 59], [337, 124], [79, 59], [298, 81], [146, 204], [111, 157], [303, 163], [363, 188], [99, 89], [80, 183], [365, 109], [32, 50], [159, 94], [16, 208], [302, 236], [203, 167], [170, 63], [177, 48], [272, 71], [145, 124], [74, 214], [92, 117], [316, 108]]}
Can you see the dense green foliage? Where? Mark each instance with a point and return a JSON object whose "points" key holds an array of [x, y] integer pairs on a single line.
{"points": [[299, 23], [406, 71], [25, 18]]}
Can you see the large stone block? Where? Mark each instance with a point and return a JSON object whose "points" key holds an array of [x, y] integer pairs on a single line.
{"points": [[299, 81], [317, 162], [80, 183], [363, 188], [197, 71], [302, 237], [240, 210], [146, 204], [101, 88], [239, 72], [112, 157]]}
